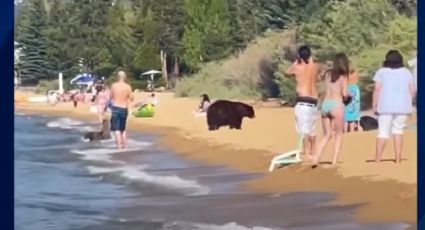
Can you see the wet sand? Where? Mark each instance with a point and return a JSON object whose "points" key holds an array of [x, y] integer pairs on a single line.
{"points": [[386, 191]]}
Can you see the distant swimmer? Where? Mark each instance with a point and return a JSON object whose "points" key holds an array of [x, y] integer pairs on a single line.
{"points": [[306, 73], [121, 97]]}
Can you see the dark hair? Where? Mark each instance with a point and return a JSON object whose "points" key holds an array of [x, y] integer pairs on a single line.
{"points": [[393, 60], [341, 66], [99, 88], [205, 97], [304, 54]]}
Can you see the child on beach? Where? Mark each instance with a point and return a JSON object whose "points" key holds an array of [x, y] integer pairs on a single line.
{"points": [[150, 100], [352, 110], [332, 109], [203, 106]]}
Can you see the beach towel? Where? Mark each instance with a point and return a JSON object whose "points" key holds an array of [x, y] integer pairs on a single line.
{"points": [[352, 110]]}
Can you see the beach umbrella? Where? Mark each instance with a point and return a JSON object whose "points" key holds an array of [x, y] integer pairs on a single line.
{"points": [[83, 79], [151, 73]]}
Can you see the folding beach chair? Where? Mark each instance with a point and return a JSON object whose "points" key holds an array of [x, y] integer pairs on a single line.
{"points": [[291, 157]]}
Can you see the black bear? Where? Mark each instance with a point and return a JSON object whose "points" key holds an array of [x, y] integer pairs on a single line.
{"points": [[102, 135], [224, 112], [368, 123]]}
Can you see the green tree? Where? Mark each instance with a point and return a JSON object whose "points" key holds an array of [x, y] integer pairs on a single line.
{"points": [[57, 40], [245, 22], [330, 30], [121, 43], [168, 16], [147, 52], [30, 34], [88, 27], [195, 18], [217, 39], [207, 34]]}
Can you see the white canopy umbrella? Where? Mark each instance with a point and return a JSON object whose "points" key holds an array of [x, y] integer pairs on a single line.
{"points": [[151, 73]]}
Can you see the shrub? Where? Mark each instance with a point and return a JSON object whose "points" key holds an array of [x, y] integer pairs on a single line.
{"points": [[247, 75], [45, 85]]}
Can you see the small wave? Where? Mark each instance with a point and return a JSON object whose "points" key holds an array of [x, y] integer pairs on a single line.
{"points": [[135, 173], [20, 114], [107, 148], [104, 151], [86, 128], [102, 154], [94, 170], [110, 143], [200, 226], [63, 123]]}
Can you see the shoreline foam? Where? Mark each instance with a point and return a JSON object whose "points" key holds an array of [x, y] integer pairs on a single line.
{"points": [[388, 197]]}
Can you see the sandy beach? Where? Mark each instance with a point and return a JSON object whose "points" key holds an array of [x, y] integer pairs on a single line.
{"points": [[387, 191]]}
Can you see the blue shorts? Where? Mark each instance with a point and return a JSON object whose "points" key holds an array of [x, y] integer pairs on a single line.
{"points": [[118, 118]]}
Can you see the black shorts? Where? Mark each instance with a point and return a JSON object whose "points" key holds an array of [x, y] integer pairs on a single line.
{"points": [[118, 118]]}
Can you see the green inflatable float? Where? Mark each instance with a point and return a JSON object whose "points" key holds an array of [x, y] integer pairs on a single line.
{"points": [[145, 111]]}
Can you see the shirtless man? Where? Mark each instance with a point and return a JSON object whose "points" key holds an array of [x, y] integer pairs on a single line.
{"points": [[121, 96], [306, 73]]}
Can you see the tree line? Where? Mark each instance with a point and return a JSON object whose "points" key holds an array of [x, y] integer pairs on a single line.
{"points": [[175, 36]]}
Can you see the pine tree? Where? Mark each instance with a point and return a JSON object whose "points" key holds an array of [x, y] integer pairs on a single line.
{"points": [[88, 25], [245, 22], [57, 40], [169, 20], [120, 36], [31, 28], [147, 52], [217, 39], [168, 16], [207, 32], [193, 35]]}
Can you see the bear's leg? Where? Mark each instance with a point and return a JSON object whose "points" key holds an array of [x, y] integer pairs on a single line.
{"points": [[238, 123], [211, 127]]}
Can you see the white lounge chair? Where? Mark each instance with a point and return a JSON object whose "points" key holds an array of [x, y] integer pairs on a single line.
{"points": [[291, 157]]}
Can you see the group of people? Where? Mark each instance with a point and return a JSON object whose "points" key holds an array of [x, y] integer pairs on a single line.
{"points": [[393, 95], [118, 99]]}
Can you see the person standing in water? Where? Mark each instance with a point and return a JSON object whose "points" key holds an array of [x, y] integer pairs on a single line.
{"points": [[306, 73], [332, 109], [352, 110], [121, 97]]}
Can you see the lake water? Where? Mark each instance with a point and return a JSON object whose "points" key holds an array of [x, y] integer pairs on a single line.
{"points": [[64, 183]]}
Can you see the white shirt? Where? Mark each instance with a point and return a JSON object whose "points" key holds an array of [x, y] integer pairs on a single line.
{"points": [[394, 97]]}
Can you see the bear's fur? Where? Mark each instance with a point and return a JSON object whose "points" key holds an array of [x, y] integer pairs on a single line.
{"points": [[102, 135], [224, 112], [368, 123]]}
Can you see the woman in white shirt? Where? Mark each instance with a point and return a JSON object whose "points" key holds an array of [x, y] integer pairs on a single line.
{"points": [[392, 101]]}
